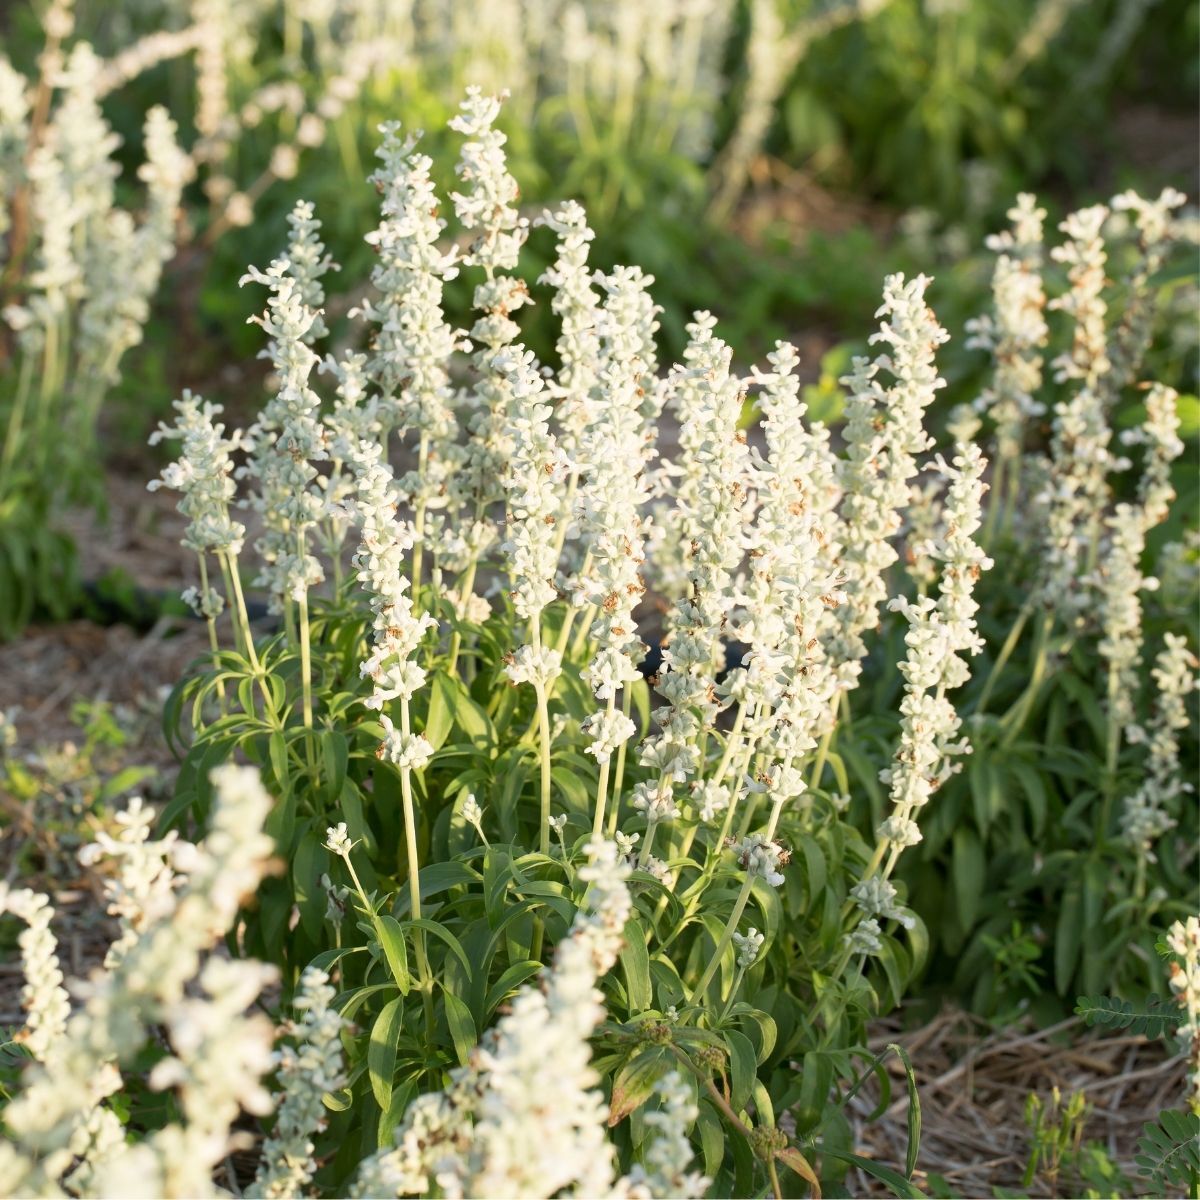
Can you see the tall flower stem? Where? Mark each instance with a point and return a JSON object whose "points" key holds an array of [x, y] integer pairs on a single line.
{"points": [[213, 641], [465, 587], [1016, 716], [414, 876], [739, 906], [1010, 644], [602, 783], [419, 516], [306, 679], [543, 719], [619, 773]]}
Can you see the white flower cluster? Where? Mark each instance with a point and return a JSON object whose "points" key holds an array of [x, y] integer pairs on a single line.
{"points": [[939, 632], [761, 858], [577, 307], [712, 506], [614, 447], [1159, 433], [748, 945], [537, 468], [1150, 811], [525, 1117], [45, 1000], [289, 436], [487, 211], [1183, 940], [1016, 332], [1085, 257], [61, 1132], [795, 580], [414, 344], [203, 473], [142, 892], [884, 432], [306, 1072], [384, 538], [1156, 232]]}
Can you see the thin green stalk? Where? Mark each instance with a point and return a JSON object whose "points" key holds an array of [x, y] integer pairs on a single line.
{"points": [[414, 876], [213, 642], [419, 513], [1016, 716], [543, 717], [242, 619], [1112, 758], [306, 682], [739, 906], [818, 769], [13, 433], [731, 744], [733, 991], [602, 783], [988, 534], [465, 587], [1010, 644], [619, 774]]}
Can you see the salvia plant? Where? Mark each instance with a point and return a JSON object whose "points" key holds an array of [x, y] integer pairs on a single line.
{"points": [[597, 734], [78, 275], [461, 739], [1077, 815]]}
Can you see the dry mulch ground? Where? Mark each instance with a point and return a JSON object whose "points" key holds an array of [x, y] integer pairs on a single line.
{"points": [[973, 1084]]}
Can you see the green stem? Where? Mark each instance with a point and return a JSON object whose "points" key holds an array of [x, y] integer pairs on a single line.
{"points": [[602, 783], [543, 719], [1010, 644], [419, 514], [814, 779], [619, 774], [306, 681], [213, 642], [414, 878], [739, 906], [465, 587], [242, 618], [987, 537], [1016, 716]]}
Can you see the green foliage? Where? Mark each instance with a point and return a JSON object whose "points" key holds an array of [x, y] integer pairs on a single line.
{"points": [[1169, 1151], [1157, 1018]]}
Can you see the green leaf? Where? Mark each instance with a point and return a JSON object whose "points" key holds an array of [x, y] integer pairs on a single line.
{"points": [[381, 1050], [986, 793], [395, 951], [635, 965], [467, 715], [712, 1139], [914, 1109], [743, 1068], [441, 932], [893, 1180], [795, 1161], [440, 718], [511, 979], [1068, 936], [335, 755], [1155, 1019], [635, 1080], [969, 870], [462, 1026], [1169, 1152], [310, 861]]}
